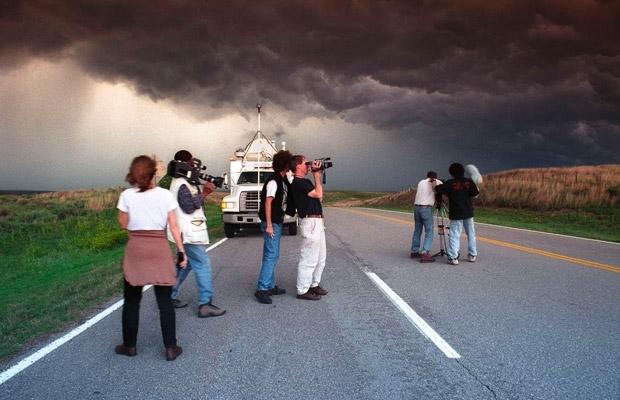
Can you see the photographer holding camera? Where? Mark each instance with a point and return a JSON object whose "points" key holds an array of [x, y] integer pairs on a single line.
{"points": [[308, 198], [193, 226]]}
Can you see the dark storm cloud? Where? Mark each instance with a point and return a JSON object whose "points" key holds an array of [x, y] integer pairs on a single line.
{"points": [[519, 75]]}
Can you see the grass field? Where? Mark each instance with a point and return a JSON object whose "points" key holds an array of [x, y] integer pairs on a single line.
{"points": [[61, 256]]}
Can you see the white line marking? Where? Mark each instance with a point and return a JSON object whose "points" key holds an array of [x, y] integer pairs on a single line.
{"points": [[500, 226], [413, 317], [28, 361], [214, 245]]}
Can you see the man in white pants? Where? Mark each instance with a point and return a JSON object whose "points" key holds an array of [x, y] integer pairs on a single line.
{"points": [[308, 198]]}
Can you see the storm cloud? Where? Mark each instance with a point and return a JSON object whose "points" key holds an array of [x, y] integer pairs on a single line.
{"points": [[536, 83]]}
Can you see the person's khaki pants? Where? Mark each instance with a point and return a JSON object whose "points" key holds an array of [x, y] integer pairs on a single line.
{"points": [[312, 254]]}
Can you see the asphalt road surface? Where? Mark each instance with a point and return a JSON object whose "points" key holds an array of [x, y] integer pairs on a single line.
{"points": [[536, 317]]}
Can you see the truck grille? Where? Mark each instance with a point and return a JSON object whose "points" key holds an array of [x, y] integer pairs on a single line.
{"points": [[249, 201]]}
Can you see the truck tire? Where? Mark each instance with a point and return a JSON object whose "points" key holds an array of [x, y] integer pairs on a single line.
{"points": [[292, 229], [229, 230]]}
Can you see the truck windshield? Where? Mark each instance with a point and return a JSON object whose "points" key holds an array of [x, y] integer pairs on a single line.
{"points": [[252, 177]]}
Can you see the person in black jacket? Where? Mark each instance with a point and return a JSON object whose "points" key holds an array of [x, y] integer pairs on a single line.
{"points": [[274, 203], [460, 192]]}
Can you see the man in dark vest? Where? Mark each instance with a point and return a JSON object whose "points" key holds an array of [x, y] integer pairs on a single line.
{"points": [[274, 203]]}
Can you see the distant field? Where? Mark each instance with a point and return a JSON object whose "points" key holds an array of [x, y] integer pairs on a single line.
{"points": [[61, 256]]}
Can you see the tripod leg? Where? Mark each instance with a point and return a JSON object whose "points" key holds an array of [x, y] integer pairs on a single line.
{"points": [[440, 233], [442, 238]]}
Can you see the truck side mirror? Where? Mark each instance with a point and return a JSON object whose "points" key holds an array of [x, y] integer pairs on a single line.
{"points": [[225, 181]]}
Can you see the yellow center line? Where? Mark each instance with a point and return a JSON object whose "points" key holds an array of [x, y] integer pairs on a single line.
{"points": [[525, 249]]}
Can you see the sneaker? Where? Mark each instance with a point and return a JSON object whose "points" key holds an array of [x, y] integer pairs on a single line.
{"points": [[426, 257], [179, 303], [209, 310], [415, 255], [453, 261], [263, 296], [318, 290], [276, 291], [309, 296], [471, 258]]}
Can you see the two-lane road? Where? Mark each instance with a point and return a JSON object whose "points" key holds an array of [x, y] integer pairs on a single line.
{"points": [[536, 317]]}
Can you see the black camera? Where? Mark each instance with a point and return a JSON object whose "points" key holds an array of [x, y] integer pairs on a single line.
{"points": [[325, 163], [193, 171]]}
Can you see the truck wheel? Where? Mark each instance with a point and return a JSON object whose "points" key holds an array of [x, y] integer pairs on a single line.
{"points": [[229, 230], [292, 229]]}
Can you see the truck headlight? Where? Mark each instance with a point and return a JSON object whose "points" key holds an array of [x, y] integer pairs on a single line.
{"points": [[228, 205]]}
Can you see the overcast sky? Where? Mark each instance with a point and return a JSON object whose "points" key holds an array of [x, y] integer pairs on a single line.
{"points": [[388, 89]]}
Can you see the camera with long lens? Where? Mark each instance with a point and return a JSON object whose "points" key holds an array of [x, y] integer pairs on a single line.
{"points": [[193, 171], [325, 163]]}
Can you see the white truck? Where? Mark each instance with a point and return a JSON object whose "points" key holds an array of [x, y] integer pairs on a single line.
{"points": [[249, 169]]}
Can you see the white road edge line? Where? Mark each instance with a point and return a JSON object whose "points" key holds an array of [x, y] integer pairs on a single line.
{"points": [[417, 321], [502, 226], [28, 361]]}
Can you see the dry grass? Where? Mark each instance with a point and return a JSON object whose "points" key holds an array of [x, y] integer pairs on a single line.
{"points": [[553, 188], [101, 199], [532, 189], [93, 199]]}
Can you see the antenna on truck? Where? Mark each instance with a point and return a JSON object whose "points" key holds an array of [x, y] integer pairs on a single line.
{"points": [[260, 155], [258, 106]]}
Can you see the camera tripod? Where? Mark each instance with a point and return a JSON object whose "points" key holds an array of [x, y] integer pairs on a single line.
{"points": [[441, 214]]}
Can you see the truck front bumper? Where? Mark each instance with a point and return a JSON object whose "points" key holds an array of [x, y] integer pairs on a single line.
{"points": [[249, 219]]}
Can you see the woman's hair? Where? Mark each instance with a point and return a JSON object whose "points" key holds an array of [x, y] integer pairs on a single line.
{"points": [[141, 172]]}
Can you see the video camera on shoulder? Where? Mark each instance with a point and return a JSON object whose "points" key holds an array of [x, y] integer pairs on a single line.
{"points": [[325, 163], [193, 171]]}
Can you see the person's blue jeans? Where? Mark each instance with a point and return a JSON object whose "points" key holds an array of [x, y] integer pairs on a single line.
{"points": [[271, 252], [456, 227], [197, 260], [423, 219]]}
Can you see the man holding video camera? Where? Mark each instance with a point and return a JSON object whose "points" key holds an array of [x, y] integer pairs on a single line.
{"points": [[460, 191], [193, 226], [308, 198]]}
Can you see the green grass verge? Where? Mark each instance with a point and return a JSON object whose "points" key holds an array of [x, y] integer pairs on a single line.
{"points": [[593, 223], [59, 260]]}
